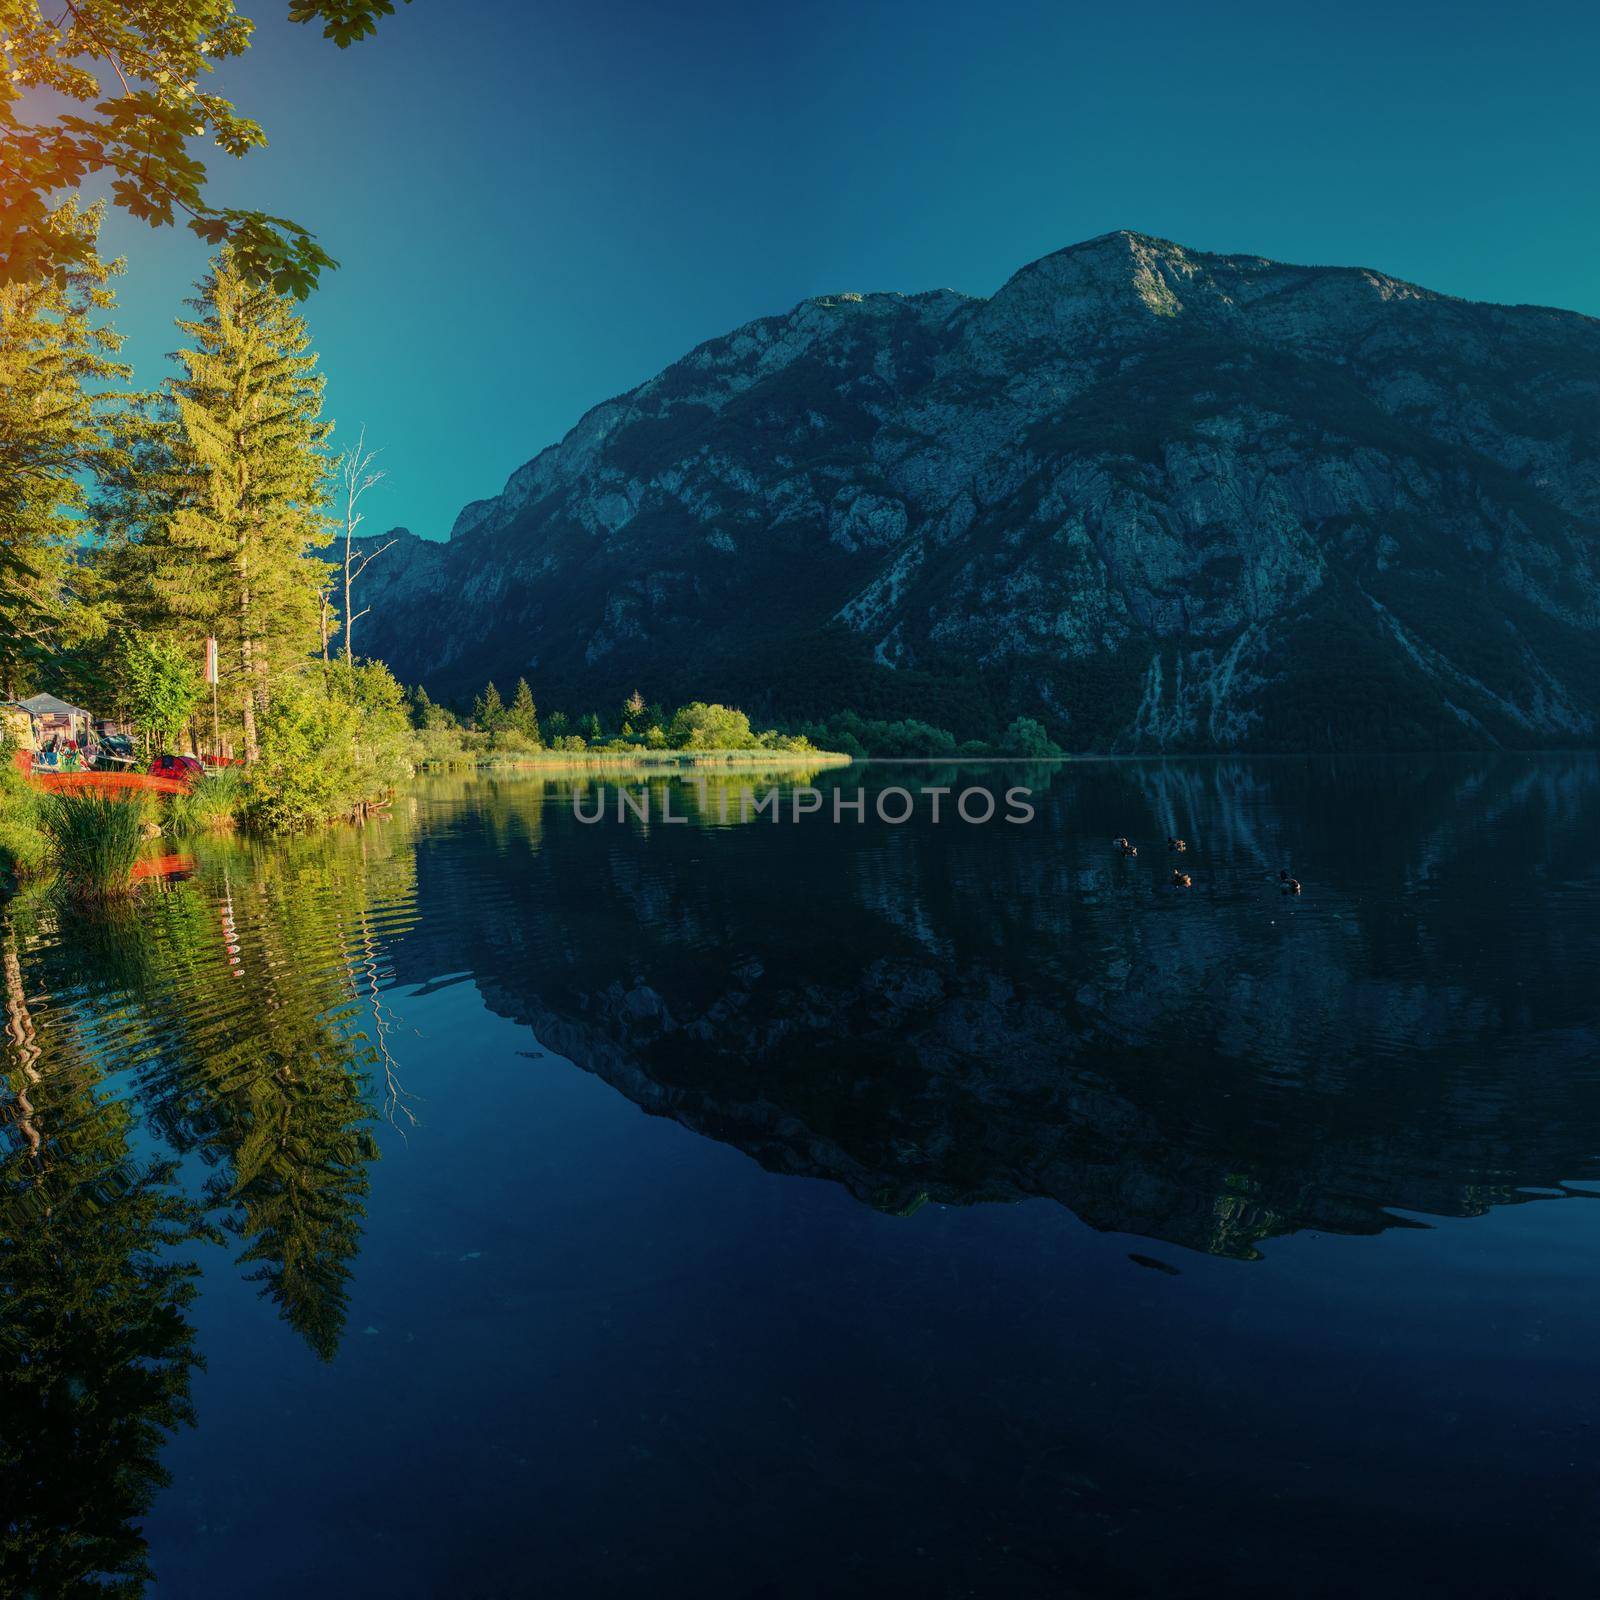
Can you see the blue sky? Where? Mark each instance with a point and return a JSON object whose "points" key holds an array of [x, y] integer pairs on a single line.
{"points": [[537, 205]]}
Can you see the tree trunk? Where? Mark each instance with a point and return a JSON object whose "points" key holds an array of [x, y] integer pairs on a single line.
{"points": [[247, 661], [349, 621]]}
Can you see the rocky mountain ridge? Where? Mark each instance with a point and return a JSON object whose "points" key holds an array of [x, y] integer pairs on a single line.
{"points": [[1156, 498]]}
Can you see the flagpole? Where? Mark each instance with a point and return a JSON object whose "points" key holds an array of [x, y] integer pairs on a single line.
{"points": [[216, 723]]}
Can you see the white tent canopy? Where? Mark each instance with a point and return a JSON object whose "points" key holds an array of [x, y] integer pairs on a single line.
{"points": [[49, 705]]}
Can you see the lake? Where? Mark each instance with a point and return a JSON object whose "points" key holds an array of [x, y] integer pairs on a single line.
{"points": [[492, 1201]]}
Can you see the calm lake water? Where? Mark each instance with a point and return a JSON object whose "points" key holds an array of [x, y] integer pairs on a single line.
{"points": [[488, 1203]]}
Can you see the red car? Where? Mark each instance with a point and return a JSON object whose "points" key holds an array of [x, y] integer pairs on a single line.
{"points": [[185, 768]]}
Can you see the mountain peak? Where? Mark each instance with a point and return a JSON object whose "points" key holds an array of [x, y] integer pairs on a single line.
{"points": [[1143, 495]]}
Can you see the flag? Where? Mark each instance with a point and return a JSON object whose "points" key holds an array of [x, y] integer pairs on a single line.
{"points": [[211, 660]]}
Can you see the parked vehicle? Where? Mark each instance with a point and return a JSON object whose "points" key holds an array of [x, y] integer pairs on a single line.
{"points": [[184, 768], [116, 750]]}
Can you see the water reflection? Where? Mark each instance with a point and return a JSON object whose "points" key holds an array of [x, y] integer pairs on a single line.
{"points": [[959, 1013], [203, 1065], [990, 1013]]}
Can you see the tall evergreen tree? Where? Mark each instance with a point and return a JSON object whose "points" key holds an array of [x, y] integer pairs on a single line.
{"points": [[524, 715], [489, 710], [56, 362], [242, 504]]}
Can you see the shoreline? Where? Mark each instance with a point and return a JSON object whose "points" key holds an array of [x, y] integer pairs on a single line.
{"points": [[649, 760]]}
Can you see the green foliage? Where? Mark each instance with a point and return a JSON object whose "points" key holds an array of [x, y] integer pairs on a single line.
{"points": [[97, 839], [858, 736], [213, 805], [699, 726], [230, 490], [133, 81], [489, 710], [447, 747], [333, 742], [343, 21], [427, 716], [1025, 737], [57, 364], [523, 716], [24, 844], [159, 684], [512, 741]]}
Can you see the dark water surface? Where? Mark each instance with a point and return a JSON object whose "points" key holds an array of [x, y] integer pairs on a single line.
{"points": [[488, 1204]]}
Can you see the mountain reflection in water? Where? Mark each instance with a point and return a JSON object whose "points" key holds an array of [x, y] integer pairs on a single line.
{"points": [[972, 1013], [197, 1087]]}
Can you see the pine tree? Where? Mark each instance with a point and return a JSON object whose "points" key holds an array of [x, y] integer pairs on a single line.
{"points": [[524, 715], [232, 548], [53, 433], [489, 710]]}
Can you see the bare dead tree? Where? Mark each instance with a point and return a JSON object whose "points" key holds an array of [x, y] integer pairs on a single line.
{"points": [[357, 474]]}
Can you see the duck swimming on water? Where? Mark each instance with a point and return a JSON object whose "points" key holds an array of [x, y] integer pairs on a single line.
{"points": [[1180, 880], [1177, 844], [1121, 844], [1289, 885]]}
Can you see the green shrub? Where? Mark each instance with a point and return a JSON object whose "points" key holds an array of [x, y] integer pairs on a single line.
{"points": [[332, 743], [213, 805], [855, 735], [1025, 737], [698, 726], [97, 839], [24, 845], [513, 741]]}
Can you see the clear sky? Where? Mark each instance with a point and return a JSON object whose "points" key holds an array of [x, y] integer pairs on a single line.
{"points": [[539, 203]]}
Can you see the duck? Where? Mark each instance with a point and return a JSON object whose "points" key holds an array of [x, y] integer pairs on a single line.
{"points": [[1180, 880], [1177, 844], [1121, 843], [1290, 885]]}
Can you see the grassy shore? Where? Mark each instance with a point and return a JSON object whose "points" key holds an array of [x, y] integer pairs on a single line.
{"points": [[645, 760], [93, 842]]}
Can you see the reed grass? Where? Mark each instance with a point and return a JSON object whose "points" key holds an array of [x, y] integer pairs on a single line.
{"points": [[212, 805], [97, 839]]}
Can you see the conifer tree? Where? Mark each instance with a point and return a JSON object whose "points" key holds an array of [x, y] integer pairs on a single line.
{"points": [[524, 715], [232, 548], [55, 365], [489, 710]]}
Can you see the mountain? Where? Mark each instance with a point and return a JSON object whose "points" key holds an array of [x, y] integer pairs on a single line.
{"points": [[1158, 499]]}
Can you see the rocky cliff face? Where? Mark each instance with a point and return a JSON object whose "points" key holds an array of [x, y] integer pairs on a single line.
{"points": [[1156, 498]]}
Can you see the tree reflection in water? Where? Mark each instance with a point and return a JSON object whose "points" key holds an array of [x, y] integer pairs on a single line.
{"points": [[235, 1019]]}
